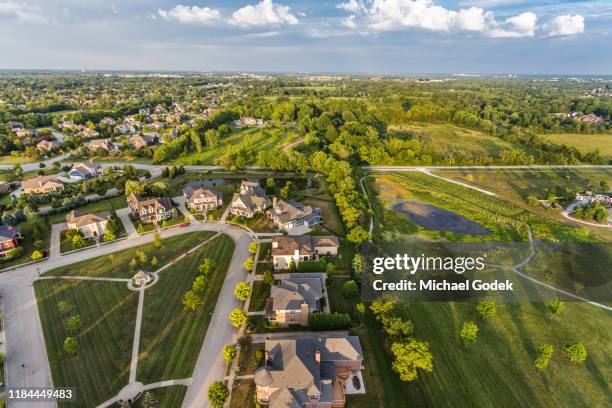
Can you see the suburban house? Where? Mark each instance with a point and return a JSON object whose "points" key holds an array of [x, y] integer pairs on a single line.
{"points": [[293, 299], [289, 214], [23, 133], [42, 184], [309, 372], [124, 128], [297, 248], [152, 210], [89, 133], [140, 141], [90, 225], [47, 145], [248, 121], [202, 199], [7, 187], [9, 238], [108, 121], [105, 144], [85, 170], [591, 118], [250, 200]]}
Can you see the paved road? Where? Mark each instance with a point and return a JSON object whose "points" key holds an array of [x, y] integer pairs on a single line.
{"points": [[24, 339]]}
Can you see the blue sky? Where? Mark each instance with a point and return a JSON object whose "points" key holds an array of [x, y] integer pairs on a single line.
{"points": [[386, 36]]}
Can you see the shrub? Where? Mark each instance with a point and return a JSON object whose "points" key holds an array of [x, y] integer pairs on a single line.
{"points": [[350, 290], [217, 394], [36, 255], [242, 291], [469, 333], [238, 317], [329, 321], [576, 352], [544, 354], [312, 266], [71, 346], [486, 309]]}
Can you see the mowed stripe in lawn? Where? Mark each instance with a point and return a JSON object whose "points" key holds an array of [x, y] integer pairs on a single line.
{"points": [[172, 337], [108, 310], [115, 265]]}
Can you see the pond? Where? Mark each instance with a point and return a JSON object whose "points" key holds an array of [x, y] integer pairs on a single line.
{"points": [[435, 218]]}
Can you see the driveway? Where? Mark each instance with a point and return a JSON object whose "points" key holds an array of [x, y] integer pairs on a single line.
{"points": [[56, 229], [180, 202], [124, 216]]}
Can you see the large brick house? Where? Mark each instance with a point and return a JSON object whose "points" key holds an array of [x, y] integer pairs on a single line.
{"points": [[42, 185], [293, 299], [310, 372], [10, 238], [296, 248], [150, 210]]}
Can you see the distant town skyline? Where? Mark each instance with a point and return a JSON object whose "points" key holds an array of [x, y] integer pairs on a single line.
{"points": [[492, 37]]}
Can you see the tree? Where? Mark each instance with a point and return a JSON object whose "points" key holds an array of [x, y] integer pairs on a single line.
{"points": [[330, 268], [238, 317], [133, 186], [78, 242], [248, 264], [157, 243], [36, 255], [270, 183], [603, 184], [71, 346], [65, 307], [350, 290], [409, 356], [396, 327], [486, 309], [217, 394], [154, 262], [192, 301], [544, 354], [360, 308], [268, 278], [207, 266], [469, 333], [149, 400], [555, 306], [74, 324], [358, 235], [242, 291], [253, 247], [109, 236], [576, 352], [229, 353]]}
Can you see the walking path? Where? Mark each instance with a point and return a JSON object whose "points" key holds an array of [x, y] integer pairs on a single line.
{"points": [[136, 344], [566, 214], [87, 278]]}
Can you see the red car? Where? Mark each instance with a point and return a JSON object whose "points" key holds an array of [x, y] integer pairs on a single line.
{"points": [[183, 225]]}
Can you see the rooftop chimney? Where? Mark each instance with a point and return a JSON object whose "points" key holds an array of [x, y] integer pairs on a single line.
{"points": [[318, 356]]}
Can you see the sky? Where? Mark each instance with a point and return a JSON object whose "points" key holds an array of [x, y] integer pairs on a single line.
{"points": [[341, 36]]}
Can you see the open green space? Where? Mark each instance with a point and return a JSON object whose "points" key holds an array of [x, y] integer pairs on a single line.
{"points": [[66, 244], [108, 311], [171, 336], [584, 143], [338, 302], [15, 160], [115, 265], [167, 396], [252, 138]]}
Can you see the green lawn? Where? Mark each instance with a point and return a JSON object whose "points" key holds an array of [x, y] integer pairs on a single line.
{"points": [[584, 143], [115, 264], [15, 160], [339, 303], [253, 138], [108, 310], [261, 293], [171, 337], [247, 361], [66, 244], [243, 394], [111, 205], [170, 396], [28, 246], [259, 223]]}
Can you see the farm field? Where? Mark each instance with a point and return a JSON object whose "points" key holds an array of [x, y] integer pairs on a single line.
{"points": [[448, 138], [108, 311], [171, 336], [584, 143], [252, 138], [115, 265]]}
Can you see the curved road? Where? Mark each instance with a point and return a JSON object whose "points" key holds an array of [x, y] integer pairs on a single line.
{"points": [[26, 356]]}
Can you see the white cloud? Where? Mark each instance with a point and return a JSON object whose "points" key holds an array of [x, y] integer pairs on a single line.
{"points": [[352, 6], [265, 13], [190, 15], [387, 15], [472, 19], [350, 22], [21, 13], [565, 25], [522, 25]]}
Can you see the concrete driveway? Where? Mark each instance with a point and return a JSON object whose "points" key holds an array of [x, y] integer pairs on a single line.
{"points": [[56, 229], [124, 216]]}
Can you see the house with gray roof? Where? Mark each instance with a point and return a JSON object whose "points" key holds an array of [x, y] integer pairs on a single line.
{"points": [[309, 372], [294, 249], [251, 200], [289, 214], [293, 299]]}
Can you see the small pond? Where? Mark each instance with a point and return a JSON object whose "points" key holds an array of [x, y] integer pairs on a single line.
{"points": [[435, 218]]}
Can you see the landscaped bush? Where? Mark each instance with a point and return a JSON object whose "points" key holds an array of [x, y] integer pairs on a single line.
{"points": [[312, 266], [329, 321]]}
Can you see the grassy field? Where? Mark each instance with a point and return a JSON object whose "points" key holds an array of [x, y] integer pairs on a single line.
{"points": [[115, 265], [15, 160], [516, 185], [584, 143], [108, 310], [167, 396], [445, 139], [253, 138], [66, 244], [171, 337]]}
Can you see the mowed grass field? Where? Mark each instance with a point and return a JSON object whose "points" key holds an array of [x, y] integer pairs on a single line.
{"points": [[171, 337], [115, 265], [584, 143], [108, 310], [447, 138], [254, 138], [497, 370]]}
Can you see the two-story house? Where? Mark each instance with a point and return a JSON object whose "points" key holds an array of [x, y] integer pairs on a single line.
{"points": [[289, 214], [10, 238], [295, 298], [202, 199], [90, 225], [42, 185], [85, 170], [150, 210], [296, 248]]}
